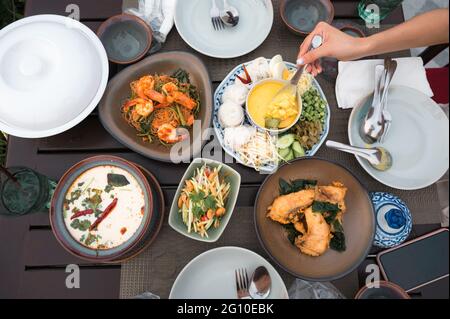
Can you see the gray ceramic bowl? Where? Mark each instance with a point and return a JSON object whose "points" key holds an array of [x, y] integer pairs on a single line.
{"points": [[233, 177], [126, 38], [302, 16]]}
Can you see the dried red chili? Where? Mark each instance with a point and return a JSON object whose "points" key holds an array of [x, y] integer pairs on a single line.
{"points": [[248, 78], [82, 213], [105, 214]]}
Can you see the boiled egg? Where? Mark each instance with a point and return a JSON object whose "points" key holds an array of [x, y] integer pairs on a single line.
{"points": [[281, 72], [278, 69], [275, 60]]}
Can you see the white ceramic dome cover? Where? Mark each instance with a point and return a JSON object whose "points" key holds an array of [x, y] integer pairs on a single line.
{"points": [[53, 72]]}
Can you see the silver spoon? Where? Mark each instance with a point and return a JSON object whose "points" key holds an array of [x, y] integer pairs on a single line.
{"points": [[378, 120], [370, 128], [291, 87], [260, 284], [378, 157], [229, 15], [392, 65]]}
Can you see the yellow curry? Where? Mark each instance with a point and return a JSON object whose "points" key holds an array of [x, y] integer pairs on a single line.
{"points": [[261, 108]]}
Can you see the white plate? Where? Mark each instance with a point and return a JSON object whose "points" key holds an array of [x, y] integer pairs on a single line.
{"points": [[220, 130], [418, 140], [53, 72], [193, 22], [211, 275]]}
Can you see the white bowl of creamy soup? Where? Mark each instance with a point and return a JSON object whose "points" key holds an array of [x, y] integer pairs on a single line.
{"points": [[101, 210]]}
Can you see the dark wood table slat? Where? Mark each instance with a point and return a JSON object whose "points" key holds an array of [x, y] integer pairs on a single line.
{"points": [[55, 165], [93, 25], [51, 284], [89, 9], [81, 138], [44, 250]]}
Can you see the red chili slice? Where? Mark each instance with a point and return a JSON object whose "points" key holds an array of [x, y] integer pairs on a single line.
{"points": [[105, 214], [82, 213], [248, 78]]}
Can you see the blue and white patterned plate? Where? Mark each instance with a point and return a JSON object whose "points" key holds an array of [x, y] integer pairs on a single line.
{"points": [[394, 220], [220, 130]]}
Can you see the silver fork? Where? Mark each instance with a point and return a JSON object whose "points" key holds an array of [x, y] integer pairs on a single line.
{"points": [[242, 283], [215, 17]]}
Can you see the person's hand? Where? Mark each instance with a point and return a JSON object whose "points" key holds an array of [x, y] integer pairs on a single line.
{"points": [[336, 44]]}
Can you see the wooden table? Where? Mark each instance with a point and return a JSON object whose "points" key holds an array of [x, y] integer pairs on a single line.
{"points": [[32, 263]]}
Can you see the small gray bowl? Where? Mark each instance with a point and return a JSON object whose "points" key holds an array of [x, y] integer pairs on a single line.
{"points": [[302, 16], [126, 38], [233, 177]]}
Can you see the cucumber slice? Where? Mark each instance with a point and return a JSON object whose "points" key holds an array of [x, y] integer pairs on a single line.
{"points": [[286, 141], [284, 152], [272, 124], [298, 149], [290, 156]]}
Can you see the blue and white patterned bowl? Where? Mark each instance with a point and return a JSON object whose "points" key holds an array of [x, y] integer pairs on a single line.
{"points": [[230, 79], [394, 220]]}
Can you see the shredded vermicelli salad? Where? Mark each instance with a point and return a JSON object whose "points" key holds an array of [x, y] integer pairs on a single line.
{"points": [[259, 151]]}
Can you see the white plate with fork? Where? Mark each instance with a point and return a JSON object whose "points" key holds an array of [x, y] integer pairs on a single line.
{"points": [[211, 275], [193, 22]]}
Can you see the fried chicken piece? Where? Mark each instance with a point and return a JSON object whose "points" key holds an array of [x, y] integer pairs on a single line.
{"points": [[334, 194], [285, 207], [316, 241], [300, 227]]}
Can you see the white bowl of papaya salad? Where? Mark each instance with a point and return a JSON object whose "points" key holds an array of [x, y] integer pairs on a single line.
{"points": [[205, 200]]}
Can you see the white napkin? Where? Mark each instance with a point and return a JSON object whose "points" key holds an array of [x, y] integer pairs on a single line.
{"points": [[159, 14], [356, 79]]}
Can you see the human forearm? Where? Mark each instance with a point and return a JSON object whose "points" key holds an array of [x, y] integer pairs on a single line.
{"points": [[425, 30]]}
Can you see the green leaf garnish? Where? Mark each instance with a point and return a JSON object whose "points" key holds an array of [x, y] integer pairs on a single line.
{"points": [[75, 195], [210, 203], [198, 211], [329, 211], [81, 225], [117, 180], [90, 240], [337, 227], [338, 242], [198, 197], [324, 207], [291, 232], [295, 185]]}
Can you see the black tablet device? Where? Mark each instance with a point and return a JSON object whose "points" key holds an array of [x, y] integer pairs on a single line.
{"points": [[417, 263]]}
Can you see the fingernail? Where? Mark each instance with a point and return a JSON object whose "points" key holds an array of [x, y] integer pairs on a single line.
{"points": [[300, 61]]}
